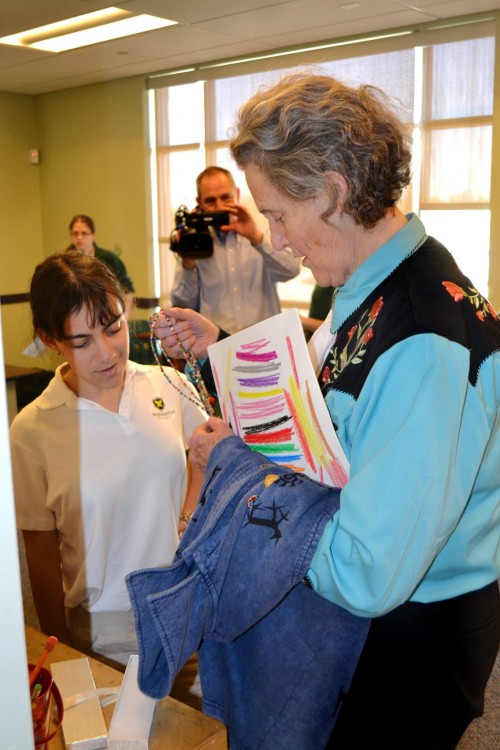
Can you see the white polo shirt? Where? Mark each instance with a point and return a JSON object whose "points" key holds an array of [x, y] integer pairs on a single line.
{"points": [[112, 483]]}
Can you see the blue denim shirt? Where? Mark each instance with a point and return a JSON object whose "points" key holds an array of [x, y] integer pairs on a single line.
{"points": [[275, 658]]}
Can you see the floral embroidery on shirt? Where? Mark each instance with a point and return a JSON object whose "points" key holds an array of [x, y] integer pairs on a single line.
{"points": [[483, 307], [358, 337]]}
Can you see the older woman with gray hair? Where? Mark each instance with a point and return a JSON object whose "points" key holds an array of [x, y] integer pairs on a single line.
{"points": [[411, 379]]}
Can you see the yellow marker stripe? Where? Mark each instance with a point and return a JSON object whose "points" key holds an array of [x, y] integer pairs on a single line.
{"points": [[305, 420]]}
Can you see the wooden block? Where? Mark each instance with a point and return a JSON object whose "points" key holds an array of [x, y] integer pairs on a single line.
{"points": [[83, 724], [134, 714]]}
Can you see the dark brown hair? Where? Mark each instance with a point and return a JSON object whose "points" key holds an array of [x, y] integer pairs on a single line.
{"points": [[85, 220], [66, 282]]}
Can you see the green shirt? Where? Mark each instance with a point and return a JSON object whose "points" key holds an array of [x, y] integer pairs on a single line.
{"points": [[117, 266], [321, 301]]}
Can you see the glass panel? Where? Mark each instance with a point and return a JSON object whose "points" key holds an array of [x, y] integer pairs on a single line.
{"points": [[176, 185], [161, 113], [392, 72], [231, 93], [184, 167], [222, 158], [462, 79], [457, 165], [180, 116], [294, 292], [163, 177], [167, 270], [405, 203], [466, 234], [297, 292], [220, 155], [457, 160]]}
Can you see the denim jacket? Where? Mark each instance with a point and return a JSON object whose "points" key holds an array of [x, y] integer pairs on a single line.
{"points": [[276, 659]]}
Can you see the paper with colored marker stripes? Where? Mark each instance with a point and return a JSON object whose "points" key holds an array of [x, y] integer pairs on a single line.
{"points": [[269, 395]]}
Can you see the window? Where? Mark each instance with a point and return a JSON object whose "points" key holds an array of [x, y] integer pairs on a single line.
{"points": [[446, 90], [456, 140]]}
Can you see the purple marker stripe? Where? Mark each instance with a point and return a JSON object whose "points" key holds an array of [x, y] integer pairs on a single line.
{"points": [[266, 380]]}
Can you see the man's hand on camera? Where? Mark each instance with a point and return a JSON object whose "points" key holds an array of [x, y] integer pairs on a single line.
{"points": [[243, 224]]}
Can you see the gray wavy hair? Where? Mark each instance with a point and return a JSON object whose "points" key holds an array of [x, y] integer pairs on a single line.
{"points": [[307, 125]]}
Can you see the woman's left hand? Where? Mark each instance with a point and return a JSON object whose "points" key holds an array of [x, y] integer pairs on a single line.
{"points": [[204, 438]]}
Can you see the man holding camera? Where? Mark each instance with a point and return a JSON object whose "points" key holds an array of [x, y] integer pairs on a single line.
{"points": [[236, 286]]}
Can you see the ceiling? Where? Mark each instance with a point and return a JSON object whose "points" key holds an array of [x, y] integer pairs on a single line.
{"points": [[206, 31]]}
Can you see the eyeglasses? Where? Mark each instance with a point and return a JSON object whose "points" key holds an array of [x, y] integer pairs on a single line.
{"points": [[80, 234]]}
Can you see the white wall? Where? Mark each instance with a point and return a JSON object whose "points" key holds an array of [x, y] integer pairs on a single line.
{"points": [[15, 708]]}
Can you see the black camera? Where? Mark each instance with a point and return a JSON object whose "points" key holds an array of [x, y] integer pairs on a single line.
{"points": [[191, 237]]}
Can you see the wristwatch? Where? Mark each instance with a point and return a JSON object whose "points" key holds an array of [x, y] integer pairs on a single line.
{"points": [[186, 516]]}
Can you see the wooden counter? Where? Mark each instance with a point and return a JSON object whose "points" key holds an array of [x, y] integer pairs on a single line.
{"points": [[177, 726]]}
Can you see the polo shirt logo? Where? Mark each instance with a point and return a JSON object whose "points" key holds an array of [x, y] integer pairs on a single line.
{"points": [[159, 403]]}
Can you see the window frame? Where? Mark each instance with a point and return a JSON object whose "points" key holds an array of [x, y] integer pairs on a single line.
{"points": [[423, 127]]}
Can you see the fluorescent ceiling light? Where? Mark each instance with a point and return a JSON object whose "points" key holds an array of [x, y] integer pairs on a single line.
{"points": [[90, 28], [113, 30]]}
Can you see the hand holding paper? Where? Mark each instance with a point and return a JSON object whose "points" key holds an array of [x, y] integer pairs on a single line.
{"points": [[205, 437], [193, 330], [269, 395]]}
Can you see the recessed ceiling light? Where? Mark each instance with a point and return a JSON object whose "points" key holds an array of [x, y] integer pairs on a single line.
{"points": [[90, 28]]}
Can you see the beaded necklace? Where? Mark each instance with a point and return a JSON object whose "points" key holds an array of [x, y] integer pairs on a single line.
{"points": [[203, 398]]}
